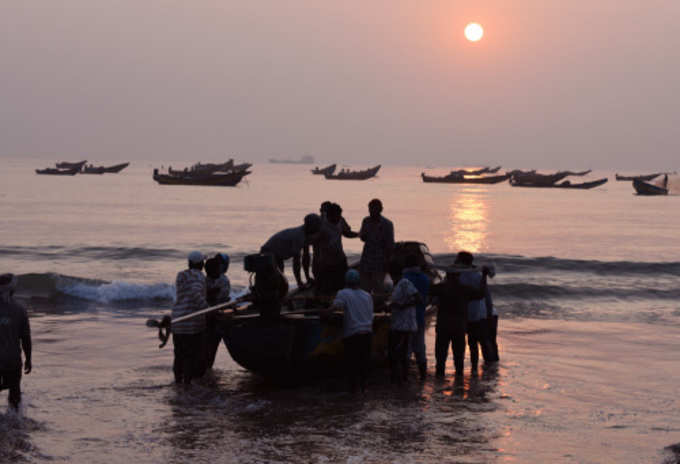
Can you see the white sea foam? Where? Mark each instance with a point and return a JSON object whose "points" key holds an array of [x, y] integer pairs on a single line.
{"points": [[119, 291]]}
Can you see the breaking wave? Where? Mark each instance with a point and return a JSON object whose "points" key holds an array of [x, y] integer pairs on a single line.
{"points": [[52, 285]]}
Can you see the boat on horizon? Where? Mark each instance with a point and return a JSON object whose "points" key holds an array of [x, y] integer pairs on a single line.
{"points": [[227, 179], [323, 171], [534, 179], [58, 172], [354, 175], [203, 168], [645, 188], [459, 179], [566, 185], [307, 159], [67, 165]]}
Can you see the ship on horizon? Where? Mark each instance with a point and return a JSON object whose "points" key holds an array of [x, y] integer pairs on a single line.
{"points": [[307, 159]]}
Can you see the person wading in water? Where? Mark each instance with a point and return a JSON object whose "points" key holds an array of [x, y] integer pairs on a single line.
{"points": [[15, 335]]}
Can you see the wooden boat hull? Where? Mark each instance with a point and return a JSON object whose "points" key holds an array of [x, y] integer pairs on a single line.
{"points": [[465, 180], [298, 347], [645, 178], [214, 180], [644, 188], [354, 175], [58, 172], [323, 171]]}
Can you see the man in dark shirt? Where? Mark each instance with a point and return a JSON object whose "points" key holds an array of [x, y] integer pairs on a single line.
{"points": [[377, 233], [15, 334], [454, 298]]}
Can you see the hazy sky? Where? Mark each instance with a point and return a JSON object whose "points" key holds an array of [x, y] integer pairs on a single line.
{"points": [[565, 84]]}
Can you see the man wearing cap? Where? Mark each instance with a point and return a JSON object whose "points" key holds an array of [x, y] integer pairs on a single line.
{"points": [[188, 336], [294, 243], [357, 328], [377, 233], [15, 335]]}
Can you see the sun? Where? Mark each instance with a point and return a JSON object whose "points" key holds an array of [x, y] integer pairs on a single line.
{"points": [[474, 32]]}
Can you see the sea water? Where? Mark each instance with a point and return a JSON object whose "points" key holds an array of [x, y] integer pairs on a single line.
{"points": [[587, 291]]}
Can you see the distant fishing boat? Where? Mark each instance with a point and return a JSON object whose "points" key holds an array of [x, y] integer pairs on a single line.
{"points": [[533, 179], [354, 175], [645, 188], [458, 179], [67, 165], [203, 169], [303, 160], [58, 172], [229, 179], [566, 185], [323, 171]]}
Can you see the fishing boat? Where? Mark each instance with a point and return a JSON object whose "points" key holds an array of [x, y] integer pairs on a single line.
{"points": [[566, 185], [302, 344], [645, 188], [354, 175], [323, 171], [645, 177], [58, 172], [229, 179], [103, 169], [67, 165], [457, 179], [522, 179], [203, 169]]}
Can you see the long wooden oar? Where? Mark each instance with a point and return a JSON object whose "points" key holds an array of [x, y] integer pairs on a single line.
{"points": [[165, 324]]}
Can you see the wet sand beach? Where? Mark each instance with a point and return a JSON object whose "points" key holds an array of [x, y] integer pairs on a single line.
{"points": [[565, 391]]}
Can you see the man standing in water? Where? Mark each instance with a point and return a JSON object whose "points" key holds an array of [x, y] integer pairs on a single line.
{"points": [[357, 329], [188, 336], [15, 335], [454, 298], [377, 233], [294, 243]]}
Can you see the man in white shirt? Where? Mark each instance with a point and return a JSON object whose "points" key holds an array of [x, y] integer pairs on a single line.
{"points": [[357, 328]]}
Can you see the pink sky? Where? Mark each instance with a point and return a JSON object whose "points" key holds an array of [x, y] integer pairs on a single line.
{"points": [[551, 84]]}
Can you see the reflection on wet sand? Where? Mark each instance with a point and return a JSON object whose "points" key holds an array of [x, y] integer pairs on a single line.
{"points": [[468, 220], [242, 420]]}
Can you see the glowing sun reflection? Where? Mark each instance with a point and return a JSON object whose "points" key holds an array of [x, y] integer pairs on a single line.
{"points": [[468, 217]]}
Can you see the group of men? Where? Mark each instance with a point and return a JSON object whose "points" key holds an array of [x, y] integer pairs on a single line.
{"points": [[465, 309], [319, 242]]}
